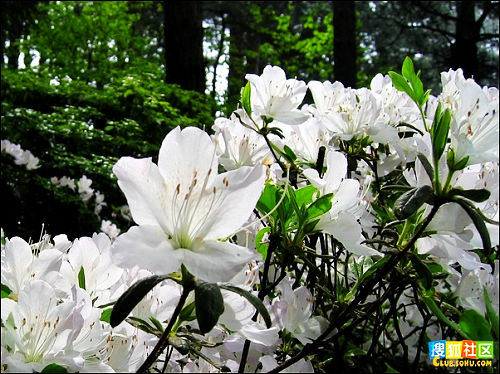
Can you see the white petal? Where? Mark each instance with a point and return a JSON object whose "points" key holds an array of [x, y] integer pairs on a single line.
{"points": [[143, 186], [244, 187], [147, 247], [258, 334], [184, 151], [216, 261]]}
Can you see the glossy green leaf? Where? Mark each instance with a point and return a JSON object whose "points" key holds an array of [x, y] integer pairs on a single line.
{"points": [[186, 313], [477, 219], [54, 368], [433, 307], [81, 278], [255, 301], [106, 315], [132, 297], [5, 291], [319, 206], [475, 325], [400, 83], [245, 99], [259, 246], [268, 199], [427, 165], [209, 305], [411, 201], [477, 195]]}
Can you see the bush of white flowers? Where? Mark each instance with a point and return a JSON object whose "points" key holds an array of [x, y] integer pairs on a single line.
{"points": [[345, 233]]}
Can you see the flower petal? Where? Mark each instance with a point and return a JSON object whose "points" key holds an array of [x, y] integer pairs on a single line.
{"points": [[147, 247], [216, 261], [144, 188], [183, 152], [241, 189]]}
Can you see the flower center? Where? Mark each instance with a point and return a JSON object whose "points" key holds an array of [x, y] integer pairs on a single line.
{"points": [[192, 208]]}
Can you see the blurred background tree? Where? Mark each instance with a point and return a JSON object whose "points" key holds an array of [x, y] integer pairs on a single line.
{"points": [[84, 83]]}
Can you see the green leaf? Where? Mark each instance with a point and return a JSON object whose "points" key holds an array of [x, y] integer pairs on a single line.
{"points": [[475, 325], [411, 201], [81, 278], [255, 301], [491, 313], [367, 274], [320, 206], [268, 199], [304, 195], [290, 155], [400, 83], [54, 368], [209, 305], [425, 275], [259, 246], [5, 291], [439, 132], [157, 323], [477, 219], [245, 99], [431, 304], [427, 165], [106, 315], [132, 297], [407, 69], [477, 195], [186, 313]]}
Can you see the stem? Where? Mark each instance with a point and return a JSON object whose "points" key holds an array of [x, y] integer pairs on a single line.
{"points": [[361, 296], [163, 342]]}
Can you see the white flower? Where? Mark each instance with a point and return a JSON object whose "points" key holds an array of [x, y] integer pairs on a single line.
{"points": [[474, 129], [20, 264], [94, 256], [238, 145], [470, 290], [183, 207], [39, 331], [110, 229], [274, 96], [293, 312], [302, 366], [341, 220]]}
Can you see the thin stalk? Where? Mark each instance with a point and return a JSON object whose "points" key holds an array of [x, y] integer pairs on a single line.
{"points": [[163, 342], [361, 296]]}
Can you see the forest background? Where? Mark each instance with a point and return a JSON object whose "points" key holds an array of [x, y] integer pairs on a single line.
{"points": [[84, 83]]}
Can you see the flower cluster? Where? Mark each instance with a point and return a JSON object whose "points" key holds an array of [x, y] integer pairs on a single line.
{"points": [[293, 237], [21, 157]]}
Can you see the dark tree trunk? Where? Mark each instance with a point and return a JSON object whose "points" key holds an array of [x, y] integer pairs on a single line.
{"points": [[344, 42], [184, 63], [464, 50]]}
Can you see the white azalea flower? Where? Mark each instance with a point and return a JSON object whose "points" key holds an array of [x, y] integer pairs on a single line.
{"points": [[341, 220], [94, 255], [20, 264], [302, 366], [293, 312], [274, 96], [238, 145], [470, 290], [183, 207], [474, 128], [39, 331]]}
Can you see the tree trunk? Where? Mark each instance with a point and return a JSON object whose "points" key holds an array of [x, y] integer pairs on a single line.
{"points": [[464, 50], [344, 42], [184, 63]]}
